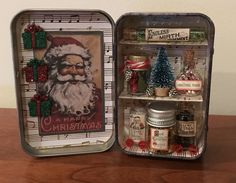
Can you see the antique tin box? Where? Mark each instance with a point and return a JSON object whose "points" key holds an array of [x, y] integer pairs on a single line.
{"points": [[83, 82]]}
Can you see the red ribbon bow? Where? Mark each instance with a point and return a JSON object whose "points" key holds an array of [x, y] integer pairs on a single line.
{"points": [[130, 64], [32, 28], [137, 65]]}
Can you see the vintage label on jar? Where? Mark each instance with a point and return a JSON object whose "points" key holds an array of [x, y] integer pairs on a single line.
{"points": [[159, 139], [137, 127], [166, 34], [186, 128], [195, 85]]}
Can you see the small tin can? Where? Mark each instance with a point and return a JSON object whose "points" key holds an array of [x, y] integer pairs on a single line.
{"points": [[161, 121]]}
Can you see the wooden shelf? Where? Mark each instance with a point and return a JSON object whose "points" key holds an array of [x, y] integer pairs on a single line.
{"points": [[125, 95], [175, 43]]}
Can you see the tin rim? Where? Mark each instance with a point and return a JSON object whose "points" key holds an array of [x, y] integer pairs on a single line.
{"points": [[162, 123]]}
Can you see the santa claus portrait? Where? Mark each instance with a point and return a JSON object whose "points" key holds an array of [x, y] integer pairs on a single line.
{"points": [[74, 83]]}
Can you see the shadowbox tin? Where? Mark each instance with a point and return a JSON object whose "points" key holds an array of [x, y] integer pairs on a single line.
{"points": [[83, 82]]}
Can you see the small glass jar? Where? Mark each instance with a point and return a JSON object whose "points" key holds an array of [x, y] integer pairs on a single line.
{"points": [[161, 121], [136, 73], [189, 81]]}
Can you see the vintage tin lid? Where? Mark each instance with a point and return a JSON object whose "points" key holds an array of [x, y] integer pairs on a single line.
{"points": [[161, 114], [161, 110], [137, 58], [161, 123]]}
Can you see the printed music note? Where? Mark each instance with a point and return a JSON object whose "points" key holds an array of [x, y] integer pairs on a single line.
{"points": [[106, 111], [108, 48], [91, 17], [76, 18], [59, 20], [106, 86], [89, 27], [110, 59]]}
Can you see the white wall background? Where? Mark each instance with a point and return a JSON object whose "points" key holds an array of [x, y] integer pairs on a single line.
{"points": [[223, 14]]}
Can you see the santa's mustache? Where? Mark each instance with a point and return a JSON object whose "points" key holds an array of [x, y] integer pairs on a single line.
{"points": [[70, 77]]}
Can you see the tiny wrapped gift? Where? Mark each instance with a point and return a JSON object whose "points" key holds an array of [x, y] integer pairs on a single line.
{"points": [[40, 105], [36, 71], [34, 37]]}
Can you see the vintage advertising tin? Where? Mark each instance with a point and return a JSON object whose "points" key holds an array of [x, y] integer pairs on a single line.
{"points": [[83, 81]]}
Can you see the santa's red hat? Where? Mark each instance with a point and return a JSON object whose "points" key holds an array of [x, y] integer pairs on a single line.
{"points": [[61, 46]]}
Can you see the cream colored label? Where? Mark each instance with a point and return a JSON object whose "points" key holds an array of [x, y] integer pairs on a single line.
{"points": [[165, 34], [137, 127], [187, 128], [195, 85], [159, 139]]}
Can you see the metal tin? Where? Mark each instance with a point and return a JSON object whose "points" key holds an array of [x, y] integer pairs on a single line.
{"points": [[126, 38], [161, 126]]}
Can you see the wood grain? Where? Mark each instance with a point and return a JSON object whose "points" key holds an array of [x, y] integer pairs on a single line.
{"points": [[217, 165]]}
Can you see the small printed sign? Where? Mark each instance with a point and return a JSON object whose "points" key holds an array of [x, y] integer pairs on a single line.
{"points": [[166, 34], [194, 85]]}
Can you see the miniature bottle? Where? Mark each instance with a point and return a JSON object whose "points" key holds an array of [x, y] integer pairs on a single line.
{"points": [[189, 82], [186, 126], [137, 124]]}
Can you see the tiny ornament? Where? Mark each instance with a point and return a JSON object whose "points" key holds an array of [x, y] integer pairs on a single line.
{"points": [[143, 145], [150, 91], [193, 150], [128, 74], [34, 37], [129, 142], [173, 92]]}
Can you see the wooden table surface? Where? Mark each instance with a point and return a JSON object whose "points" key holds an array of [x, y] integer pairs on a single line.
{"points": [[218, 165]]}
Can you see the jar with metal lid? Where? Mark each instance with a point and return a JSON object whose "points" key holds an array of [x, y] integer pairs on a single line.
{"points": [[161, 122]]}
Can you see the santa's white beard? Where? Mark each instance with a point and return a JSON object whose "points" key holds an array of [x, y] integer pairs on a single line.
{"points": [[74, 98]]}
